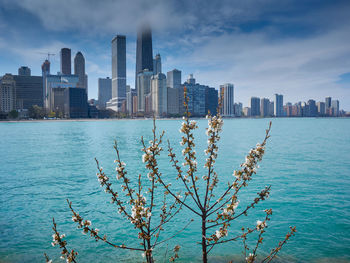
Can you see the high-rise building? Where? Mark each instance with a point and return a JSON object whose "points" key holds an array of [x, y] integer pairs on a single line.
{"points": [[335, 108], [227, 95], [75, 103], [130, 95], [118, 72], [159, 95], [312, 108], [79, 70], [7, 93], [238, 107], [66, 62], [278, 107], [57, 81], [173, 101], [144, 52], [173, 79], [254, 106], [143, 88], [104, 91], [191, 80], [211, 100], [24, 71], [321, 109], [157, 64], [29, 91], [264, 107], [271, 108]]}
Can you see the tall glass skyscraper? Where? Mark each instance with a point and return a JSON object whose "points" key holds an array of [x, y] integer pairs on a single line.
{"points": [[66, 62], [118, 71], [278, 110], [144, 52]]}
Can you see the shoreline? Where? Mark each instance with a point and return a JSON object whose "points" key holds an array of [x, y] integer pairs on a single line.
{"points": [[158, 119]]}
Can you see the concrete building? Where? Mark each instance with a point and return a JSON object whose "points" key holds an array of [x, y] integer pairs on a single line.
{"points": [[66, 61], [159, 95], [24, 71], [174, 79], [157, 64], [144, 52], [118, 73], [144, 88], [130, 94], [57, 81], [227, 95], [173, 101], [328, 104], [104, 91], [278, 107], [254, 106], [7, 93]]}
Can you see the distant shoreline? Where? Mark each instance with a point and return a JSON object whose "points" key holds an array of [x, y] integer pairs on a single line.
{"points": [[158, 119]]}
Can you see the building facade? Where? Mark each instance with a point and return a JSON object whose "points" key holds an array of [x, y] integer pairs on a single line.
{"points": [[7, 93], [144, 52], [66, 61], [278, 107], [254, 106], [104, 91], [118, 72], [79, 70], [227, 95], [157, 64], [159, 95], [173, 79]]}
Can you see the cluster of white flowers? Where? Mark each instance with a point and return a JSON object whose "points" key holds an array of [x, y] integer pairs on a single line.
{"points": [[222, 232], [260, 225], [250, 258], [249, 167], [230, 209], [56, 238], [102, 178], [215, 124], [120, 169], [139, 210]]}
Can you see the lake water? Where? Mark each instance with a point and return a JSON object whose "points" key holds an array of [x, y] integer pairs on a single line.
{"points": [[307, 163]]}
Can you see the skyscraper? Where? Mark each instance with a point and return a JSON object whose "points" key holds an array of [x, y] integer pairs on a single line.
{"points": [[79, 70], [157, 64], [278, 107], [66, 62], [254, 106], [118, 71], [335, 108], [104, 91], [264, 107], [159, 95], [173, 78], [227, 95], [24, 71], [144, 52], [328, 105], [143, 88]]}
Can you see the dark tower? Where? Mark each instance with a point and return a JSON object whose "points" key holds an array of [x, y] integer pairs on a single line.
{"points": [[144, 53], [66, 62]]}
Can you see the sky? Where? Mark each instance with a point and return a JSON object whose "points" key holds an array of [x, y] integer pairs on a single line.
{"points": [[300, 49]]}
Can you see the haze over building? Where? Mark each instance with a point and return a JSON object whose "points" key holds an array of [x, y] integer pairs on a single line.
{"points": [[144, 52]]}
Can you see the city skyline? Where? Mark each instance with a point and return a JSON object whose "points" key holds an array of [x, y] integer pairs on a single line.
{"points": [[261, 54]]}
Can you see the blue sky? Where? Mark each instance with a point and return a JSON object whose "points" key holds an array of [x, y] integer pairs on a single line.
{"points": [[298, 48]]}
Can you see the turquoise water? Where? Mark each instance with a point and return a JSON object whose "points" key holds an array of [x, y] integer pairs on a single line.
{"points": [[307, 162]]}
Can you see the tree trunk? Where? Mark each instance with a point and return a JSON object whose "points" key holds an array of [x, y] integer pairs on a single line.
{"points": [[204, 241]]}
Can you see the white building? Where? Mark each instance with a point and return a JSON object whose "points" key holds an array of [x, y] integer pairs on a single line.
{"points": [[159, 95], [227, 95]]}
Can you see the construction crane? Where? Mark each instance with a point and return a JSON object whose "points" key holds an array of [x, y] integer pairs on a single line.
{"points": [[48, 54]]}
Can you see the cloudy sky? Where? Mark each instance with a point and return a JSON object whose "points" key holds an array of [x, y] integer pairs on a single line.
{"points": [[298, 48]]}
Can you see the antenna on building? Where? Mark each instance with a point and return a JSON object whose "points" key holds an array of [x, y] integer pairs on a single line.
{"points": [[48, 54]]}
